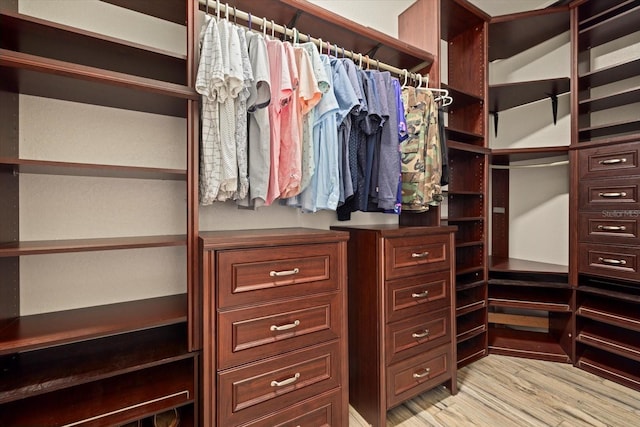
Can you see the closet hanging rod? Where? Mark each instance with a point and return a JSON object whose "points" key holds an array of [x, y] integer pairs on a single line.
{"points": [[220, 9]]}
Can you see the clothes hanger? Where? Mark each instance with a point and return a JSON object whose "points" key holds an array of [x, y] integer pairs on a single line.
{"points": [[264, 28], [406, 77], [250, 29], [218, 9], [273, 29]]}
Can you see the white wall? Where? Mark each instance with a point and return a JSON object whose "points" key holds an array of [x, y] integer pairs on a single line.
{"points": [[64, 207]]}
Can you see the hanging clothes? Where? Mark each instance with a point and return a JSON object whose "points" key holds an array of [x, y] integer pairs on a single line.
{"points": [[258, 123], [421, 161]]}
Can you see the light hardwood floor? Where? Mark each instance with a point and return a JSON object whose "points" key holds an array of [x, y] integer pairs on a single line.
{"points": [[505, 391]]}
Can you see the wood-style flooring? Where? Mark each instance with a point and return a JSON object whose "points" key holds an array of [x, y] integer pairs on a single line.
{"points": [[505, 391]]}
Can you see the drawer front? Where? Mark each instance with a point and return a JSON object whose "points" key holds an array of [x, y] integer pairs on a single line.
{"points": [[616, 227], [249, 392], [413, 376], [609, 195], [407, 256], [256, 332], [609, 161], [325, 410], [261, 274], [417, 335], [611, 261], [413, 296]]}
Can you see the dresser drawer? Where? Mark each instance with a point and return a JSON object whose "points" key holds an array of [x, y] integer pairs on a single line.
{"points": [[417, 295], [408, 256], [609, 161], [325, 410], [611, 261], [417, 335], [252, 391], [261, 274], [255, 332], [413, 376], [615, 227], [606, 195]]}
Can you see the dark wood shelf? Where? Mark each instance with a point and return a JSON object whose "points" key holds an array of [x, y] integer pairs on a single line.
{"points": [[525, 266], [468, 244], [464, 193], [468, 138], [47, 167], [507, 155], [591, 13], [461, 97], [612, 367], [610, 74], [609, 130], [520, 343], [52, 40], [618, 341], [111, 401], [517, 32], [613, 312], [50, 78], [309, 18], [63, 327], [612, 100], [470, 269], [83, 245], [611, 293], [619, 25], [529, 283], [468, 306], [471, 285], [509, 95], [471, 350], [464, 219], [457, 16], [462, 146], [466, 332], [43, 371], [530, 298]]}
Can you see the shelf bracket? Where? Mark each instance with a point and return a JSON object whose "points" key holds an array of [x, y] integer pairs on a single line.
{"points": [[554, 106], [294, 20], [372, 52], [495, 122]]}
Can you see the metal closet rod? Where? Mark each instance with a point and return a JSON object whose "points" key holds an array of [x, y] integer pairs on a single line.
{"points": [[219, 8]]}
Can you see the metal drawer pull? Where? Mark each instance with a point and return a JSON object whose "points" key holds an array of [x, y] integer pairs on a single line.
{"points": [[620, 194], [612, 227], [288, 381], [424, 374], [421, 335], [284, 273], [421, 295], [285, 327], [420, 255], [612, 161], [612, 261]]}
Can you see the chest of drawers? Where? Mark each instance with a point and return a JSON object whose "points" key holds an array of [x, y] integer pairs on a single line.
{"points": [[401, 315], [275, 328], [609, 210]]}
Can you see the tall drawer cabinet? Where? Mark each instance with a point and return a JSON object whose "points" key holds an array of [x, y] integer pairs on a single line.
{"points": [[401, 315], [274, 328]]}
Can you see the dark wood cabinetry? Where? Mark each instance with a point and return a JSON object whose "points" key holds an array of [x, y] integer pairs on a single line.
{"points": [[275, 333], [401, 315], [108, 364], [606, 175]]}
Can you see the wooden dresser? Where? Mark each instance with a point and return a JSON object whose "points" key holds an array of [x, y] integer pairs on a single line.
{"points": [[401, 315], [275, 329]]}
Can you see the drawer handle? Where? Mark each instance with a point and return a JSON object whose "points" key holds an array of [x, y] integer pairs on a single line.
{"points": [[612, 261], [288, 381], [613, 195], [421, 294], [420, 255], [285, 327], [421, 334], [284, 273], [612, 227], [612, 161], [422, 375]]}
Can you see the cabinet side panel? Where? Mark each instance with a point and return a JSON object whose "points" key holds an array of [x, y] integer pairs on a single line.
{"points": [[419, 26]]}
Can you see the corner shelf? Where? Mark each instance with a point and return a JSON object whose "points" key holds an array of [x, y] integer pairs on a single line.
{"points": [[611, 100], [605, 75], [620, 24], [521, 343], [509, 95]]}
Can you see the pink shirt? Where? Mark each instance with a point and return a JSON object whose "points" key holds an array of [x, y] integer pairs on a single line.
{"points": [[290, 169], [281, 91]]}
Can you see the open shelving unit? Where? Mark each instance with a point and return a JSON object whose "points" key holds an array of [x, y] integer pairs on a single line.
{"points": [[605, 136], [73, 364]]}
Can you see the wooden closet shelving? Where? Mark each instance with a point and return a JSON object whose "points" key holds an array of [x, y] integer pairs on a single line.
{"points": [[73, 365], [606, 137]]}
